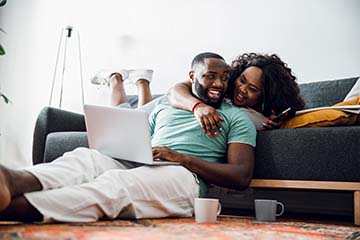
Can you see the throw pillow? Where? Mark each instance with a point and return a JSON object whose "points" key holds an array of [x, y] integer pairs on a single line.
{"points": [[355, 91], [325, 117]]}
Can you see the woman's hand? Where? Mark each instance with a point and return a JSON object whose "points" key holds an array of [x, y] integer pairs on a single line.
{"points": [[209, 119], [269, 124], [166, 153], [274, 122]]}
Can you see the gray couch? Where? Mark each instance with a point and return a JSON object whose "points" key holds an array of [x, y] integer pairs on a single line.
{"points": [[325, 154]]}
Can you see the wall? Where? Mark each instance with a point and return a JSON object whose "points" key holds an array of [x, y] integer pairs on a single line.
{"points": [[319, 40]]}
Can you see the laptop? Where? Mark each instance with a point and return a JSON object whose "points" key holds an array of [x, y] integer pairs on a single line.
{"points": [[121, 133]]}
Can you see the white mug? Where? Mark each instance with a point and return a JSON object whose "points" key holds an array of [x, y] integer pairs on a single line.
{"points": [[206, 210], [265, 210]]}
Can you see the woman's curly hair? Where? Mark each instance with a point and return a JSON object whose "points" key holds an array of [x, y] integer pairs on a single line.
{"points": [[280, 89]]}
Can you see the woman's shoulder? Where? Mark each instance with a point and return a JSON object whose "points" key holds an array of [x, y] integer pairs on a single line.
{"points": [[256, 117]]}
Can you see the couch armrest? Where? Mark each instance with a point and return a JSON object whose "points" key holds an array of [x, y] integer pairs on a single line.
{"points": [[53, 120], [58, 143]]}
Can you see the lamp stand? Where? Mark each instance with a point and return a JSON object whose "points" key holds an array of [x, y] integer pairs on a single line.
{"points": [[66, 33]]}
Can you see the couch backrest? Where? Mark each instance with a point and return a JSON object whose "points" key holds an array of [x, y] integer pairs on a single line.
{"points": [[133, 99], [326, 93], [315, 94]]}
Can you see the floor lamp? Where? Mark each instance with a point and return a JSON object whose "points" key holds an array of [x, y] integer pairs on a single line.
{"points": [[67, 33]]}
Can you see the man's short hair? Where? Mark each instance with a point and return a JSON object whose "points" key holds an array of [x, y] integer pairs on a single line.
{"points": [[200, 58]]}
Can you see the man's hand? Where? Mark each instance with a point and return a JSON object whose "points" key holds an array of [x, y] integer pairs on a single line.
{"points": [[167, 154], [209, 119]]}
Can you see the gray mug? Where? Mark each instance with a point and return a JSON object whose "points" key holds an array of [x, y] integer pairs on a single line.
{"points": [[265, 210]]}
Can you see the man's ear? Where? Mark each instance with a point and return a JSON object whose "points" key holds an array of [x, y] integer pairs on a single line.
{"points": [[192, 76]]}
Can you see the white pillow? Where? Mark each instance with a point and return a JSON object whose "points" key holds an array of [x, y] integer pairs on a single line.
{"points": [[354, 92]]}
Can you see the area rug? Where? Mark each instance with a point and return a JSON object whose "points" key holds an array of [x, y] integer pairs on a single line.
{"points": [[226, 228]]}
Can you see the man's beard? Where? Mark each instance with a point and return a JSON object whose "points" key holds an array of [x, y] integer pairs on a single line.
{"points": [[202, 94]]}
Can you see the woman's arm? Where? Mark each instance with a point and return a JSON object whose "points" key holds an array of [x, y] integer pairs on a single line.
{"points": [[180, 96]]}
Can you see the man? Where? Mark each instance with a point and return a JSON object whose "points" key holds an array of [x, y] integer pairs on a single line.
{"points": [[85, 185]]}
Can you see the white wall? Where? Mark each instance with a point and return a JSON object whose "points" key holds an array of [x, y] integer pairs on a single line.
{"points": [[318, 38]]}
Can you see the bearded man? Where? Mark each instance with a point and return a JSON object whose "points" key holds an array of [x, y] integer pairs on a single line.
{"points": [[85, 185]]}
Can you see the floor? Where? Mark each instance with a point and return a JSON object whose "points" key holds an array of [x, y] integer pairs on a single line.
{"points": [[227, 227]]}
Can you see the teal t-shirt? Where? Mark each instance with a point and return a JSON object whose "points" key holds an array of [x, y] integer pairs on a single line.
{"points": [[180, 131]]}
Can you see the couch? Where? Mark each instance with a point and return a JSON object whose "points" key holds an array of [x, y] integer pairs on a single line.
{"points": [[291, 164]]}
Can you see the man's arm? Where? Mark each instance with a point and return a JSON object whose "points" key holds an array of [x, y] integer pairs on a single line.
{"points": [[236, 173]]}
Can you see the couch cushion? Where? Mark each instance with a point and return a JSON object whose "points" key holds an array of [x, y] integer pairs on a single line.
{"points": [[328, 154], [133, 99], [58, 143], [326, 93], [325, 117]]}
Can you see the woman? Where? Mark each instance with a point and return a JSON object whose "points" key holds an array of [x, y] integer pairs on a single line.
{"points": [[261, 84]]}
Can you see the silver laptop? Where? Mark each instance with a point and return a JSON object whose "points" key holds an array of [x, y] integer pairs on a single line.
{"points": [[120, 133]]}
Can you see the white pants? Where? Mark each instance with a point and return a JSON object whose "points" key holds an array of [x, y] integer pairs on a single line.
{"points": [[85, 185]]}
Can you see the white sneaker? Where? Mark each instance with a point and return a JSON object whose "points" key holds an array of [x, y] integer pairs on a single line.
{"points": [[103, 76], [137, 74]]}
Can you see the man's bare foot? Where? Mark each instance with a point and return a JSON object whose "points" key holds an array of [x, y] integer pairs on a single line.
{"points": [[5, 188], [14, 183]]}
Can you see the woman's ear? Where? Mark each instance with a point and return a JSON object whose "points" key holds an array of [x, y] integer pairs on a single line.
{"points": [[192, 76]]}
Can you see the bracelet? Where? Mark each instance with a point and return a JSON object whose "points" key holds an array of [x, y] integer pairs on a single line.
{"points": [[195, 105]]}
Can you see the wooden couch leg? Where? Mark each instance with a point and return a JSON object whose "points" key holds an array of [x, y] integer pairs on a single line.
{"points": [[357, 207]]}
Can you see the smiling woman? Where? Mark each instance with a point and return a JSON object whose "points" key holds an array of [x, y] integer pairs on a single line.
{"points": [[264, 83]]}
